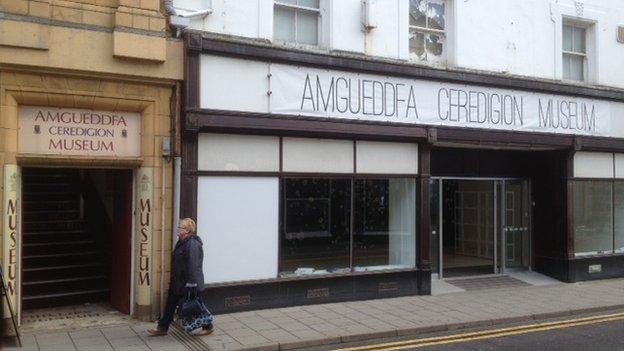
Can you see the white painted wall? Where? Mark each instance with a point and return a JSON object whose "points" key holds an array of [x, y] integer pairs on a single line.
{"points": [[524, 37], [503, 36]]}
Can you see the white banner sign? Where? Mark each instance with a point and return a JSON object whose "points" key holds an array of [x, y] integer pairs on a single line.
{"points": [[335, 94]]}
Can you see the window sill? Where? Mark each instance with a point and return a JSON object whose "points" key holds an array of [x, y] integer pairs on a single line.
{"points": [[299, 46], [598, 255], [308, 277]]}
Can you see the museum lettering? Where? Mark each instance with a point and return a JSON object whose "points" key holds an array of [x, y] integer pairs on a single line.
{"points": [[564, 114], [359, 96], [81, 118], [478, 107], [57, 144]]}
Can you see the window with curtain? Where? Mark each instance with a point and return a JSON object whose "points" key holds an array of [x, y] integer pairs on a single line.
{"points": [[574, 53], [384, 230], [296, 21]]}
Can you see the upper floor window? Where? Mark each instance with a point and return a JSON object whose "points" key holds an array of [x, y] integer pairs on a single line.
{"points": [[297, 21], [574, 53], [427, 30]]}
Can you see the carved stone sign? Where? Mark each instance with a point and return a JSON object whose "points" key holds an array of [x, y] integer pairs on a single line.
{"points": [[11, 217], [145, 235], [66, 131]]}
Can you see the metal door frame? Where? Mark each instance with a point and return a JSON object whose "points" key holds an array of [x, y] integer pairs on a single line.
{"points": [[499, 227]]}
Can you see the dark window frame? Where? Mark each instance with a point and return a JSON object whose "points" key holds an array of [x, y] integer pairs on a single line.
{"points": [[352, 177], [613, 251]]}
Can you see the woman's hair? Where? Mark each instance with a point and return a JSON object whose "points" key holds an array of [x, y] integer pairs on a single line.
{"points": [[188, 224]]}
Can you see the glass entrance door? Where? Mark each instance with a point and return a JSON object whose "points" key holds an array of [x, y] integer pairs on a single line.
{"points": [[469, 223], [479, 226], [516, 225]]}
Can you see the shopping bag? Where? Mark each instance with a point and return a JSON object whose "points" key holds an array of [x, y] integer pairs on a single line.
{"points": [[193, 313]]}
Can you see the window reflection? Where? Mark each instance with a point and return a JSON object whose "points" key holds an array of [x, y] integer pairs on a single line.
{"points": [[593, 222], [384, 224], [316, 226], [317, 237]]}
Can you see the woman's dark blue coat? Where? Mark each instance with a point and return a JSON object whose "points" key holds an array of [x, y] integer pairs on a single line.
{"points": [[186, 265]]}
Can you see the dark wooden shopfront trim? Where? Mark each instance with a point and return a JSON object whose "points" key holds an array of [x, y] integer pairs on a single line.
{"points": [[569, 203], [256, 123], [188, 186], [423, 220], [268, 53], [282, 292], [188, 203], [205, 120]]}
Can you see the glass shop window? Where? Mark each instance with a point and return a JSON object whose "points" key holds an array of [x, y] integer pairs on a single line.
{"points": [[316, 226], [297, 21], [320, 235], [593, 217], [574, 53], [384, 230], [427, 36], [618, 216]]}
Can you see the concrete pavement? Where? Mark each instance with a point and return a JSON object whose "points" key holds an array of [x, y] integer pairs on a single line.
{"points": [[334, 323]]}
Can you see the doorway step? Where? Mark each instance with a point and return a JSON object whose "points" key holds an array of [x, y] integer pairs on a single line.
{"points": [[487, 282], [62, 261]]}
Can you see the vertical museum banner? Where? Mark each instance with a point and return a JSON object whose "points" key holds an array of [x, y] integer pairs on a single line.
{"points": [[145, 203], [11, 231]]}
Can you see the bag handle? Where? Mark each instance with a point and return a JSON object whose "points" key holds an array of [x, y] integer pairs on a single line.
{"points": [[192, 293]]}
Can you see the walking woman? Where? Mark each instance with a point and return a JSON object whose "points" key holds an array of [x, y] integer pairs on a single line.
{"points": [[186, 273]]}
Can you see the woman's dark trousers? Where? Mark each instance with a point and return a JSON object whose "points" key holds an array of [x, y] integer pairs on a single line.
{"points": [[172, 303]]}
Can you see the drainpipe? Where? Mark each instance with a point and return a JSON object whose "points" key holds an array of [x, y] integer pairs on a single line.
{"points": [[177, 159], [163, 215], [177, 166], [554, 21]]}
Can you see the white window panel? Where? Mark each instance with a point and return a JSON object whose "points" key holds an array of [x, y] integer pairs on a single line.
{"points": [[285, 28], [593, 165], [574, 53], [317, 155], [232, 152], [237, 219], [619, 166], [233, 84], [297, 21], [307, 28], [386, 158]]}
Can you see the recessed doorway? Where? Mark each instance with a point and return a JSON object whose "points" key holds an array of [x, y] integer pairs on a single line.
{"points": [[76, 239], [479, 226]]}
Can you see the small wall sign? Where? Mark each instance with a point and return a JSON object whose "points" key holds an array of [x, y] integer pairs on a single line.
{"points": [[595, 268], [76, 132]]}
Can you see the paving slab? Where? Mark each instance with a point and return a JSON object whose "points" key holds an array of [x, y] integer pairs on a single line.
{"points": [[492, 303]]}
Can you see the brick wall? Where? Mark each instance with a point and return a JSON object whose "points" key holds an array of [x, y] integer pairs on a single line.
{"points": [[138, 26]]}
